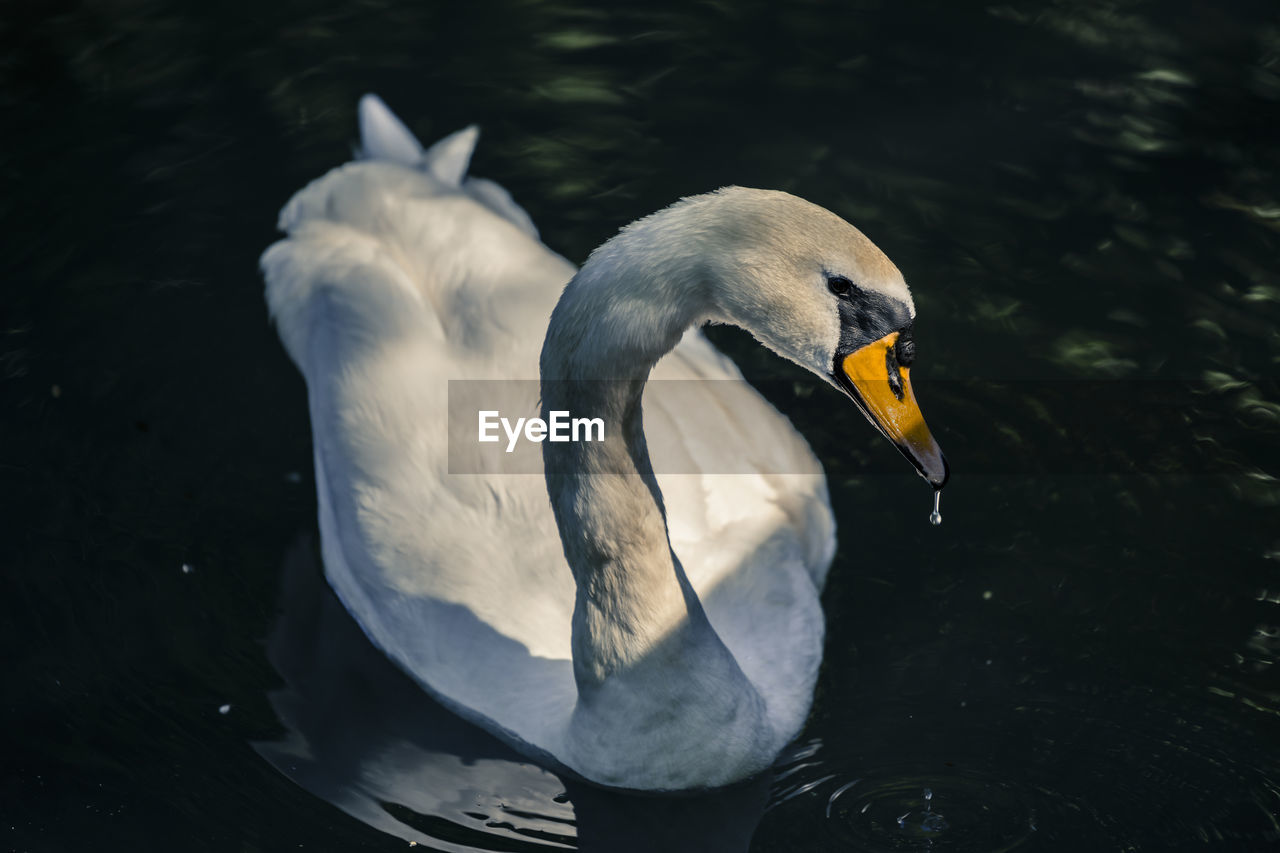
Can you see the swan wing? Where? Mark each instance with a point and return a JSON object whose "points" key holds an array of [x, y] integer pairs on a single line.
{"points": [[390, 284], [749, 517]]}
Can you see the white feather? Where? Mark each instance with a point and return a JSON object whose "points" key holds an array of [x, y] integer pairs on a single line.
{"points": [[385, 137]]}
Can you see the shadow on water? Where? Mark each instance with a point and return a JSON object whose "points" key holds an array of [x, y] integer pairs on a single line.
{"points": [[364, 737]]}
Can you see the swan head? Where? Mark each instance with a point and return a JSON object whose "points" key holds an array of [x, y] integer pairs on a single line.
{"points": [[815, 290]]}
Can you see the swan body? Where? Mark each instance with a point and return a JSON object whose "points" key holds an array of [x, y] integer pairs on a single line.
{"points": [[650, 631]]}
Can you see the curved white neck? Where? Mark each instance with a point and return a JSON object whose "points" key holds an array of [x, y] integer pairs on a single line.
{"points": [[612, 324], [645, 657]]}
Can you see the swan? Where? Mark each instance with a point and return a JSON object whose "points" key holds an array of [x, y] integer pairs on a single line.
{"points": [[635, 616]]}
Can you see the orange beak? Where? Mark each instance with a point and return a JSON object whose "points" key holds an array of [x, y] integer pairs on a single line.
{"points": [[881, 387]]}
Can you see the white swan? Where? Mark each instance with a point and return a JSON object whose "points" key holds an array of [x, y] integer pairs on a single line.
{"points": [[669, 636]]}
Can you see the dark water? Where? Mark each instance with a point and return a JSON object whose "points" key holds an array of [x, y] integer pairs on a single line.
{"points": [[1084, 197]]}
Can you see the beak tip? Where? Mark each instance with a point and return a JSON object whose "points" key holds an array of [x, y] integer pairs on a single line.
{"points": [[931, 464], [940, 482]]}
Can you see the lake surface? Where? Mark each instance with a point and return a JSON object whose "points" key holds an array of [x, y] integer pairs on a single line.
{"points": [[1084, 198]]}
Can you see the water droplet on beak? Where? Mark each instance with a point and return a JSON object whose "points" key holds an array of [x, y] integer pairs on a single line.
{"points": [[935, 517]]}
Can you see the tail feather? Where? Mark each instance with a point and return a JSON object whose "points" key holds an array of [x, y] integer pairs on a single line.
{"points": [[449, 158], [385, 137]]}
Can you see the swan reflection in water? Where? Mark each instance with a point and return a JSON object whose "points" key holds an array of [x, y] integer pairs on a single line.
{"points": [[363, 736]]}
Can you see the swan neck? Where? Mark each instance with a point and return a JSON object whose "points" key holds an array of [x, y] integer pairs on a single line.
{"points": [[642, 644], [605, 335]]}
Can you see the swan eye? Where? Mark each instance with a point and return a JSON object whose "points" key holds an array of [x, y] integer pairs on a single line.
{"points": [[905, 348], [839, 285]]}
